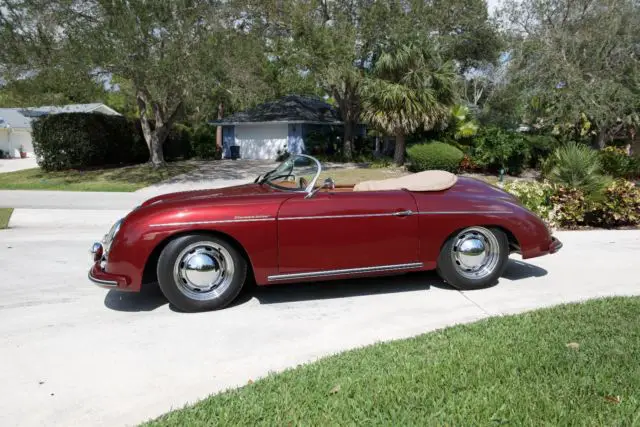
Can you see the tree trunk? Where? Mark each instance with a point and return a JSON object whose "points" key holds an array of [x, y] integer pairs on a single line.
{"points": [[155, 149], [219, 128], [163, 121], [398, 155], [601, 141], [347, 143]]}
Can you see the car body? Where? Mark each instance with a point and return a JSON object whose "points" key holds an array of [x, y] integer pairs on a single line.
{"points": [[309, 232]]}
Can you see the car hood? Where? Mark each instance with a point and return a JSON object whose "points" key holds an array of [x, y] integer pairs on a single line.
{"points": [[196, 195]]}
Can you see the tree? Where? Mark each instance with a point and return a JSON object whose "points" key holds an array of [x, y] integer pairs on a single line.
{"points": [[410, 87], [166, 50], [576, 59]]}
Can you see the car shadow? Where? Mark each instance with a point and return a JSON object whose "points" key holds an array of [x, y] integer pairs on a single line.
{"points": [[152, 298]]}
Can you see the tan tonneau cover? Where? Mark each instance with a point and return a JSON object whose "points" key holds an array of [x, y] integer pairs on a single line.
{"points": [[433, 180]]}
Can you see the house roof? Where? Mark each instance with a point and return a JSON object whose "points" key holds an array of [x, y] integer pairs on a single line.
{"points": [[289, 109], [11, 117], [20, 118]]}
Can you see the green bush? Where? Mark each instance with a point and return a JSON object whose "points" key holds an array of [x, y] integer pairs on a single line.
{"points": [[578, 166], [178, 146], [535, 196], [617, 163], [204, 143], [495, 148], [81, 140], [434, 155], [619, 206], [540, 148], [568, 208]]}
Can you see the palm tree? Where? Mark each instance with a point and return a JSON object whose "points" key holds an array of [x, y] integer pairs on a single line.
{"points": [[408, 88]]}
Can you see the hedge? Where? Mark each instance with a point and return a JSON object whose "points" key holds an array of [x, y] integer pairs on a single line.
{"points": [[434, 155], [82, 140]]}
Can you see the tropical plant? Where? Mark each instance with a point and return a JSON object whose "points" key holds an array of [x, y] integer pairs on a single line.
{"points": [[434, 156], [464, 125], [495, 148], [409, 88], [535, 196], [619, 206], [578, 166], [617, 163]]}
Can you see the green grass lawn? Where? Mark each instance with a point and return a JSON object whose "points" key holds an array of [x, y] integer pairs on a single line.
{"points": [[129, 178], [5, 216], [568, 365]]}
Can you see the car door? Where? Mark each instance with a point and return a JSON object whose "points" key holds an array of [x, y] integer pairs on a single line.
{"points": [[347, 231]]}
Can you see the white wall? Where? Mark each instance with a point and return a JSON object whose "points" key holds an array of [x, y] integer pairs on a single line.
{"points": [[18, 137], [262, 140]]}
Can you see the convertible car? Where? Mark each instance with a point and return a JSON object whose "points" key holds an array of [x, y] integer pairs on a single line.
{"points": [[201, 247]]}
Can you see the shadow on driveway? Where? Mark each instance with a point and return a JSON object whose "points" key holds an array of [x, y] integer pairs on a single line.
{"points": [[152, 299]]}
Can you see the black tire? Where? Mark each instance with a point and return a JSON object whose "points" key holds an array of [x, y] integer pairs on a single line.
{"points": [[174, 280], [455, 274]]}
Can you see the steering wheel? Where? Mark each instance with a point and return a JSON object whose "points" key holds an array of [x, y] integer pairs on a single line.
{"points": [[303, 183]]}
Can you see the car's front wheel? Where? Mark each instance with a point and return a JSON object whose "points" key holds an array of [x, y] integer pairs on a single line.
{"points": [[474, 258], [199, 272]]}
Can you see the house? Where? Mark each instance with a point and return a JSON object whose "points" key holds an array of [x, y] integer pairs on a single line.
{"points": [[15, 123], [273, 127]]}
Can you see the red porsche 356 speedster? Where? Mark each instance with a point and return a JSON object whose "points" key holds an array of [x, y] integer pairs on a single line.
{"points": [[201, 246]]}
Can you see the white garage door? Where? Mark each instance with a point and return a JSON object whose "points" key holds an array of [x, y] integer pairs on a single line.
{"points": [[261, 141], [11, 141]]}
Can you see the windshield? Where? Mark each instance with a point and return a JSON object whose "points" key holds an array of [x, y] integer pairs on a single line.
{"points": [[298, 173]]}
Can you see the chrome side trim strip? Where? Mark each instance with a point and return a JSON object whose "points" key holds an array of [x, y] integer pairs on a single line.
{"points": [[463, 212], [328, 273], [222, 221], [290, 218], [105, 283]]}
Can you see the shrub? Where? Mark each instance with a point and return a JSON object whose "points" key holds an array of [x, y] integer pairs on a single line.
{"points": [[80, 140], [566, 207], [617, 163], [495, 148], [619, 206], [576, 166], [204, 143], [434, 155], [178, 146], [535, 196], [539, 147]]}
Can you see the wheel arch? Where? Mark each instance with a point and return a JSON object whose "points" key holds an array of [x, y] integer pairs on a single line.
{"points": [[149, 275], [514, 244]]}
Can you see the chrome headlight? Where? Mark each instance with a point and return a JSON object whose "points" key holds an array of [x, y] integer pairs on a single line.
{"points": [[108, 238]]}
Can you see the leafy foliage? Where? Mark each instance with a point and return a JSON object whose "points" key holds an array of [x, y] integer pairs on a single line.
{"points": [[78, 140], [410, 88], [617, 163], [567, 207], [563, 71], [204, 143], [577, 166], [535, 196], [434, 156], [619, 206], [495, 148]]}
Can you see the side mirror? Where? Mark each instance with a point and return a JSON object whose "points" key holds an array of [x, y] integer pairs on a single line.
{"points": [[329, 184]]}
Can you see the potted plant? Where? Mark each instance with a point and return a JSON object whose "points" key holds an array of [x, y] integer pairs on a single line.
{"points": [[23, 154]]}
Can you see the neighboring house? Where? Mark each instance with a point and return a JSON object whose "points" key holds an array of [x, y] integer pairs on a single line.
{"points": [[15, 123], [273, 127]]}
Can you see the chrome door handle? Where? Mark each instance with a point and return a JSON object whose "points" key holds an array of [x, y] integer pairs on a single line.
{"points": [[403, 213]]}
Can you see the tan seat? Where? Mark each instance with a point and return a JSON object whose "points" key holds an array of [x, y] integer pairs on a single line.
{"points": [[433, 180]]}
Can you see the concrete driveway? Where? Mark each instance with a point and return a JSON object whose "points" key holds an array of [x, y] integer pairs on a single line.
{"points": [[12, 165], [73, 354]]}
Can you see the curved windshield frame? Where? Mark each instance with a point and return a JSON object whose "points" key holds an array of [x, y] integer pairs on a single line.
{"points": [[296, 166]]}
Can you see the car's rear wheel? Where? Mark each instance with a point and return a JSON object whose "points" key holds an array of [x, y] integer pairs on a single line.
{"points": [[474, 258], [199, 272]]}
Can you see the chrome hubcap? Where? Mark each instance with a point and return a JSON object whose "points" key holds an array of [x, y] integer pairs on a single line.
{"points": [[475, 253], [203, 271]]}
